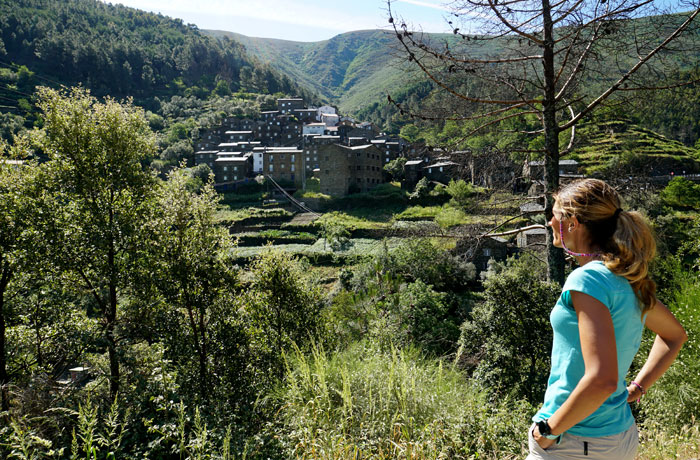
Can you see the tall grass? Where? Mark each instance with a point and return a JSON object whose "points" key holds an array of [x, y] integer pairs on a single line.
{"points": [[670, 410], [373, 404]]}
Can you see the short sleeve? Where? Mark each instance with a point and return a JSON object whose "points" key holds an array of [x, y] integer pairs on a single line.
{"points": [[591, 282]]}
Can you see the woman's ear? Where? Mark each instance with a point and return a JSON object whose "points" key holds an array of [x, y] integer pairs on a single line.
{"points": [[573, 223]]}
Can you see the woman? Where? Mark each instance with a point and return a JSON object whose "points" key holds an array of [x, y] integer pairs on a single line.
{"points": [[598, 322]]}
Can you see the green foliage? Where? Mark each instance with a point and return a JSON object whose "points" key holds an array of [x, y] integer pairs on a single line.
{"points": [[461, 192], [116, 50], [419, 259], [450, 217], [390, 404], [682, 193], [501, 332], [284, 306], [421, 190], [674, 401], [410, 133], [336, 234], [102, 195], [195, 274], [421, 316], [395, 168]]}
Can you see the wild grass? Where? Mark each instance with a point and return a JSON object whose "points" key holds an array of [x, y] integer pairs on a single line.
{"points": [[370, 403]]}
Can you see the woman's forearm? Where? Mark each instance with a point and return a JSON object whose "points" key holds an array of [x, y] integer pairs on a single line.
{"points": [[660, 358], [589, 395]]}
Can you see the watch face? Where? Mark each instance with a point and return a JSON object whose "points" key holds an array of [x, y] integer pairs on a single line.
{"points": [[543, 428]]}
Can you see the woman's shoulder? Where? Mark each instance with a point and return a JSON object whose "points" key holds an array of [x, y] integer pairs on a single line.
{"points": [[595, 275]]}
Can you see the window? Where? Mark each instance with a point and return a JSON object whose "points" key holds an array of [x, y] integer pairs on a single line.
{"points": [[315, 158], [387, 160], [235, 168], [440, 168], [292, 168], [292, 158], [235, 177], [292, 176], [225, 178], [225, 168], [430, 170], [282, 166], [308, 159], [487, 252], [289, 136], [270, 168]]}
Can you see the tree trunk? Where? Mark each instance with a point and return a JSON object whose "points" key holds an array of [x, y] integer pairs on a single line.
{"points": [[111, 318], [4, 377], [555, 258]]}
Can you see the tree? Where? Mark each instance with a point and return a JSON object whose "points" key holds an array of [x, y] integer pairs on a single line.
{"points": [[104, 197], [284, 306], [16, 204], [196, 271], [557, 60], [396, 168], [682, 193], [502, 330]]}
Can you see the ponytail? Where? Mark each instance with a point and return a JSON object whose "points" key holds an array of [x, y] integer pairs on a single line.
{"points": [[624, 237], [632, 248]]}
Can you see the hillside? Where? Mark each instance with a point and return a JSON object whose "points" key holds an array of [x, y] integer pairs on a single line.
{"points": [[352, 70], [121, 51], [618, 148]]}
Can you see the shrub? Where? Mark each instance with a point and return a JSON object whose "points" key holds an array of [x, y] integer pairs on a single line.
{"points": [[501, 332], [682, 193], [461, 192]]}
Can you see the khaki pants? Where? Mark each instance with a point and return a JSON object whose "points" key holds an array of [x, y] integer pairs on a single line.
{"points": [[622, 446]]}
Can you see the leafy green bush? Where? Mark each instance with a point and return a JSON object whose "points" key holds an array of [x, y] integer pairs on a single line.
{"points": [[502, 331], [682, 193], [461, 192], [369, 403]]}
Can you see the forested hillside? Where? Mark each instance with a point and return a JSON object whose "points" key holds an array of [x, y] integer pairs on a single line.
{"points": [[119, 51]]}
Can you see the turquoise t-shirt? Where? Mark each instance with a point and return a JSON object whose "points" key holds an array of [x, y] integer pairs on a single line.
{"points": [[614, 291]]}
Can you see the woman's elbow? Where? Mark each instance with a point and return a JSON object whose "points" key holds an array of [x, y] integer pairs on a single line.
{"points": [[603, 383]]}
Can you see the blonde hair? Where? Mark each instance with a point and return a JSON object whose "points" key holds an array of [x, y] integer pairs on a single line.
{"points": [[624, 238]]}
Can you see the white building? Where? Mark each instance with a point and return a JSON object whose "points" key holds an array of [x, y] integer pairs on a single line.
{"points": [[313, 128], [330, 119], [324, 109]]}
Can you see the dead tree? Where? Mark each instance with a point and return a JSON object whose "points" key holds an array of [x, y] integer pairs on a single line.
{"points": [[558, 60]]}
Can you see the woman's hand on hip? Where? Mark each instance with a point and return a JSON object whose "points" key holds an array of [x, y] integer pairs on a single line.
{"points": [[543, 442]]}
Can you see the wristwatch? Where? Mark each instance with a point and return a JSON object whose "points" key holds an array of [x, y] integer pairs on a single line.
{"points": [[545, 430]]}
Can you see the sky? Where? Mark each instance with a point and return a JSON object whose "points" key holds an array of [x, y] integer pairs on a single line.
{"points": [[297, 20]]}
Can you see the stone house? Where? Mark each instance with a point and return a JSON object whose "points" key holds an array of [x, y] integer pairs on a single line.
{"points": [[305, 115], [288, 105], [532, 238], [283, 164], [206, 157], [314, 128], [413, 172], [239, 136], [534, 170], [232, 168], [480, 250], [442, 171], [345, 169]]}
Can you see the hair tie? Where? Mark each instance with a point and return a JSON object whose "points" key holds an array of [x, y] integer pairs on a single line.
{"points": [[617, 213]]}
